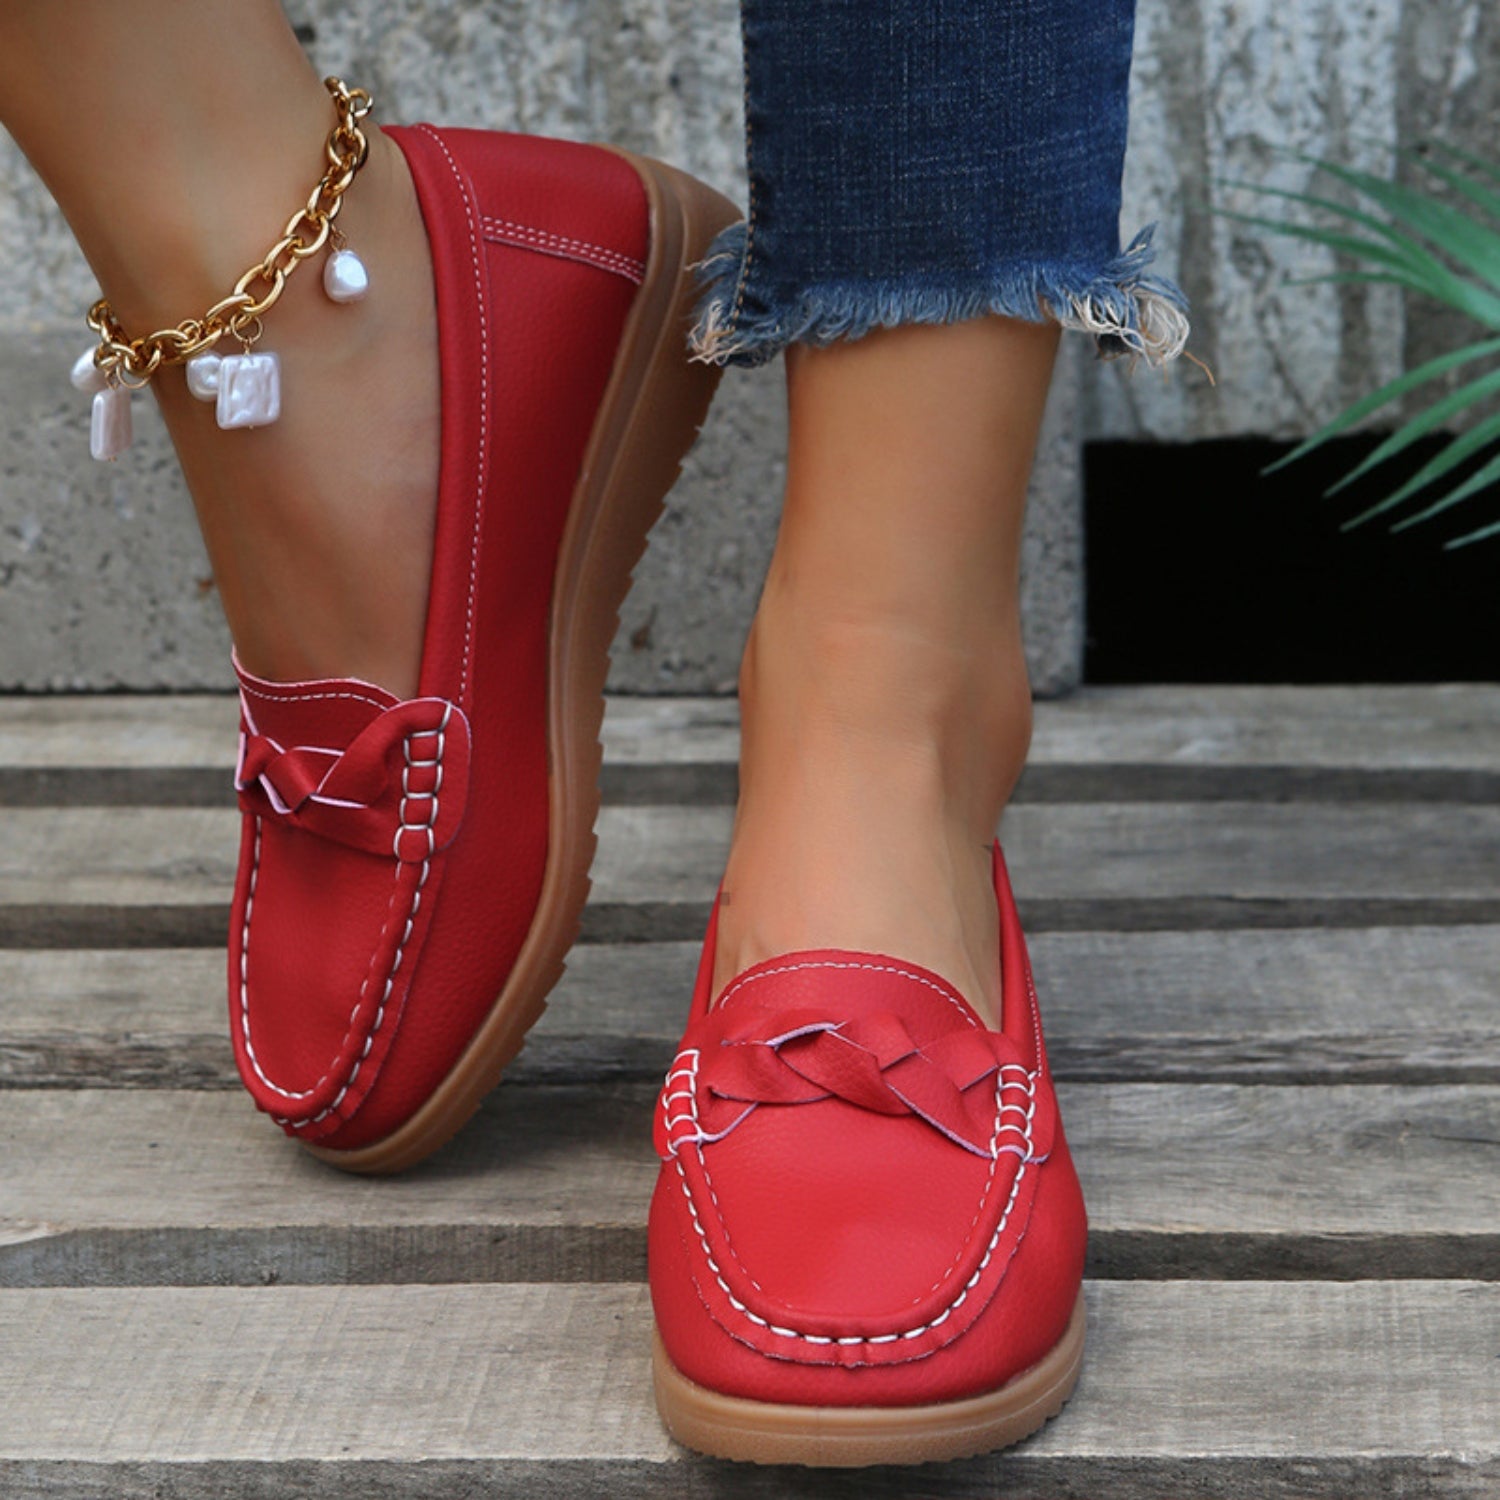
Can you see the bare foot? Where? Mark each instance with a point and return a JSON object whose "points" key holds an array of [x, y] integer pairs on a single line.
{"points": [[884, 694], [873, 771]]}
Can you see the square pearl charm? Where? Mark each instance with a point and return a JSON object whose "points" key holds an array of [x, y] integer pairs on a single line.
{"points": [[249, 392], [112, 428]]}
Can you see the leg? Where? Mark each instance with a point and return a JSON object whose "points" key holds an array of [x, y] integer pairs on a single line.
{"points": [[867, 1241], [319, 527], [884, 692], [885, 698], [411, 873]]}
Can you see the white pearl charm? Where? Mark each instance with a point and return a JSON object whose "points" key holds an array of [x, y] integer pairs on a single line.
{"points": [[112, 430], [203, 376], [345, 278], [86, 375], [249, 390]]}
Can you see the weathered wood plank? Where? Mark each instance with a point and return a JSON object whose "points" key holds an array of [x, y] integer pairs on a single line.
{"points": [[1389, 1005], [1404, 727], [1107, 851], [119, 730], [1407, 727], [199, 730], [668, 731], [1045, 1477], [117, 856], [1230, 1389], [551, 1183], [1248, 850], [695, 783], [112, 786], [716, 784], [196, 730], [100, 924], [178, 925], [1248, 783]]}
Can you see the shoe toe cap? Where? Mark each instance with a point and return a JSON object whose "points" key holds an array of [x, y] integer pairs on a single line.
{"points": [[885, 1273], [322, 948]]}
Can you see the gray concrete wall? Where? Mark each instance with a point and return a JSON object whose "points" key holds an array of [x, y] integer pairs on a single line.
{"points": [[102, 580]]}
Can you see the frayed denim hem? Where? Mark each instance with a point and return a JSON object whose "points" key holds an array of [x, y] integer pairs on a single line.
{"points": [[1128, 311]]}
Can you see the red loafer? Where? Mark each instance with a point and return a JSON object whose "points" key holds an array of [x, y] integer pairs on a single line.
{"points": [[412, 874], [867, 1238]]}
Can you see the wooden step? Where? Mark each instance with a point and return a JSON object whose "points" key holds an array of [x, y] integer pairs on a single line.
{"points": [[1195, 1388], [551, 1183], [1163, 852], [1266, 926], [1279, 1007], [115, 829], [1401, 728], [716, 784]]}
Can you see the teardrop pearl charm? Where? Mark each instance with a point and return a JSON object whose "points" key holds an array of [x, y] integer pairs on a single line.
{"points": [[203, 376], [345, 278], [86, 375]]}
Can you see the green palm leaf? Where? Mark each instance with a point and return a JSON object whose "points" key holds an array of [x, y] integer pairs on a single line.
{"points": [[1413, 251], [1408, 263], [1464, 158], [1481, 479], [1392, 233], [1483, 534], [1393, 390], [1460, 182], [1419, 426], [1464, 446], [1458, 236]]}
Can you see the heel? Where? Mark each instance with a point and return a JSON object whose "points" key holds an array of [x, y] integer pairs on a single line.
{"points": [[651, 414]]}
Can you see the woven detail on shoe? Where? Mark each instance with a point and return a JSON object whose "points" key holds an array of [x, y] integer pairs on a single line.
{"points": [[800, 1057]]}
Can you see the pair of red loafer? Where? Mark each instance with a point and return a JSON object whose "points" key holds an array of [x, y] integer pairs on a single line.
{"points": [[867, 1241]]}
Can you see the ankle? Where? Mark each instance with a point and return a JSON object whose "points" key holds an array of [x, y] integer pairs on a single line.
{"points": [[902, 698], [213, 209], [319, 527], [878, 752]]}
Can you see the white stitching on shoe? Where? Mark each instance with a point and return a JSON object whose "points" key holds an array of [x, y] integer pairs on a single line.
{"points": [[812, 1338], [308, 697], [484, 409], [1036, 1018], [411, 916], [601, 257], [698, 1139], [475, 532], [385, 995], [363, 989], [688, 1070], [1029, 1089]]}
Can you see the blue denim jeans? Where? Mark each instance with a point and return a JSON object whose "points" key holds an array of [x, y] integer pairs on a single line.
{"points": [[933, 160]]}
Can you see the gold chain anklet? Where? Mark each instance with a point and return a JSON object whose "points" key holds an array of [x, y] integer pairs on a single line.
{"points": [[245, 387]]}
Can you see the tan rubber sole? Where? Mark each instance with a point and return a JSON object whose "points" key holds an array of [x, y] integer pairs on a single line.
{"points": [[653, 408], [855, 1436]]}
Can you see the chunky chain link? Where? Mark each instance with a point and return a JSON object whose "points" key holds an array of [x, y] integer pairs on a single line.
{"points": [[132, 362]]}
